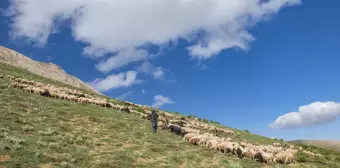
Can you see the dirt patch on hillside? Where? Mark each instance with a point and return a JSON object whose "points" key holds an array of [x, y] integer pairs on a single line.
{"points": [[4, 158]]}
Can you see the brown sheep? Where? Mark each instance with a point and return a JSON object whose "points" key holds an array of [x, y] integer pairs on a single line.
{"points": [[259, 157], [240, 151], [250, 153], [46, 93]]}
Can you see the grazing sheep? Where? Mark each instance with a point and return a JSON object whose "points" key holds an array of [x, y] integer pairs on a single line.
{"points": [[211, 143], [250, 153], [310, 154], [243, 144], [276, 144], [1, 76], [17, 85], [259, 157], [220, 146], [144, 116], [268, 157], [28, 89], [194, 140], [46, 93], [54, 94], [240, 151], [284, 157], [117, 107], [189, 136], [228, 147], [125, 109], [160, 124], [175, 129]]}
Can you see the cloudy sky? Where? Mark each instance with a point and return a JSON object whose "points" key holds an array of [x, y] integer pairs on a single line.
{"points": [[271, 67]]}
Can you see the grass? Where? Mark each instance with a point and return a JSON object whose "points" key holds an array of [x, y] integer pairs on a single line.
{"points": [[39, 132]]}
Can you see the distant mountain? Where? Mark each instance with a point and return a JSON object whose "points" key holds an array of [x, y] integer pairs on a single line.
{"points": [[48, 70], [333, 145]]}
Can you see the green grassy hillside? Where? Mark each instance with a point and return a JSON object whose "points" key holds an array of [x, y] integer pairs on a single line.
{"points": [[36, 131]]}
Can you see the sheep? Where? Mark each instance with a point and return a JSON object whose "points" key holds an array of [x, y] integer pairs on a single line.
{"points": [[144, 116], [175, 129], [118, 107], [213, 129], [2, 76], [178, 122], [83, 100], [124, 109], [18, 85], [28, 89], [259, 156], [46, 93], [229, 132], [203, 140], [189, 136], [284, 157], [276, 144], [189, 130], [310, 154], [211, 143], [268, 157], [160, 124], [240, 151], [220, 146], [228, 148], [54, 94], [243, 144], [194, 140], [249, 153]]}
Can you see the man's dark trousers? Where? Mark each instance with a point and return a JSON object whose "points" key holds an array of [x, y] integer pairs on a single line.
{"points": [[154, 128]]}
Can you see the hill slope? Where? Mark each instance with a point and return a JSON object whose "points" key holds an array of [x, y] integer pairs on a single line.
{"points": [[37, 131], [332, 145], [47, 70]]}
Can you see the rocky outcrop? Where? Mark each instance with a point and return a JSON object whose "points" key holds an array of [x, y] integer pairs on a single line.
{"points": [[48, 70]]}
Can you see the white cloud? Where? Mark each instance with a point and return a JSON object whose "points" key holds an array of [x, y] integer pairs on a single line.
{"points": [[115, 25], [143, 91], [161, 100], [121, 59], [123, 79], [158, 73], [146, 67], [125, 95], [307, 115]]}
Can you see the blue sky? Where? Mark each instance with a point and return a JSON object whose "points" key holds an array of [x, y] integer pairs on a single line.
{"points": [[293, 60]]}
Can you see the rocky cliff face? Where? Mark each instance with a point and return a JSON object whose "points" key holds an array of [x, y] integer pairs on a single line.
{"points": [[48, 70]]}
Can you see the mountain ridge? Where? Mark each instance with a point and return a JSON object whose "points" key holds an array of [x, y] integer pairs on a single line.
{"points": [[48, 70]]}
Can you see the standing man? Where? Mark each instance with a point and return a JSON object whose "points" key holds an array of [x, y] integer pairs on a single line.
{"points": [[154, 120]]}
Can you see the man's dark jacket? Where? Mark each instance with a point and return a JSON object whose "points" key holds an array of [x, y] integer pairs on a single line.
{"points": [[154, 118]]}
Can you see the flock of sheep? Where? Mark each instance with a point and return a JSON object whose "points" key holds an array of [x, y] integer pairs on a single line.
{"points": [[188, 128]]}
